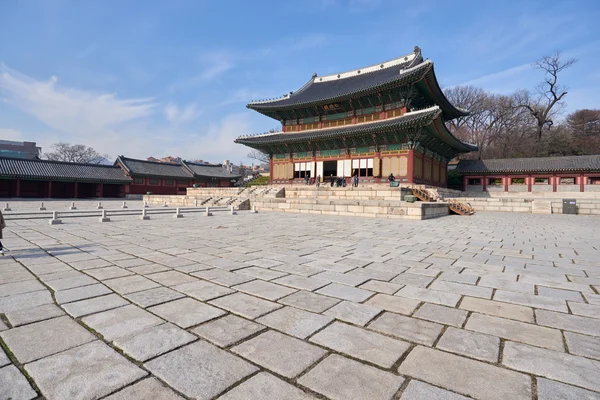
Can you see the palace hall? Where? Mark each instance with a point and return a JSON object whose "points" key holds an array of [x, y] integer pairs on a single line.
{"points": [[387, 118]]}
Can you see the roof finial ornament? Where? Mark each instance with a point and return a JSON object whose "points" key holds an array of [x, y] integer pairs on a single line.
{"points": [[314, 75], [417, 50]]}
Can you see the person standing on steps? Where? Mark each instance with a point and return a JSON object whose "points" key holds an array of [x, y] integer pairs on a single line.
{"points": [[2, 226], [355, 178]]}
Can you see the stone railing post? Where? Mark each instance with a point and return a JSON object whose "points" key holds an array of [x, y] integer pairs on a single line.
{"points": [[55, 220]]}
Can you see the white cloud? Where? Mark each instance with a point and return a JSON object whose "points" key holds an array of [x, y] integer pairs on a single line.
{"points": [[69, 110], [179, 116], [117, 126]]}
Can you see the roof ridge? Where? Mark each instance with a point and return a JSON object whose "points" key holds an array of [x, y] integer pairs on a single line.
{"points": [[150, 162], [56, 162]]}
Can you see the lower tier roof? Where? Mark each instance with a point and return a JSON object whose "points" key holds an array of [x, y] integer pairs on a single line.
{"points": [[424, 126], [539, 164]]}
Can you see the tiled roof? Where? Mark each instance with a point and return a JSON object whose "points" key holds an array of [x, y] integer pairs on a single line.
{"points": [[541, 164], [208, 170], [332, 88], [58, 170], [151, 168], [343, 131]]}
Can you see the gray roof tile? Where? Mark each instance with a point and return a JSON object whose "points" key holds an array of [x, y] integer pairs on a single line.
{"points": [[58, 170], [540, 164], [152, 168]]}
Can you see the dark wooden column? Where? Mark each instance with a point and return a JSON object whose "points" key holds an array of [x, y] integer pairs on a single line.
{"points": [[75, 189], [18, 189], [49, 188], [411, 166]]}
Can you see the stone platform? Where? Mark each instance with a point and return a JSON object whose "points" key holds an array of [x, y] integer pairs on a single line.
{"points": [[289, 306]]}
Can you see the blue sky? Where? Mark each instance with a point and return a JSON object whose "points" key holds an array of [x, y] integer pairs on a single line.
{"points": [[157, 78]]}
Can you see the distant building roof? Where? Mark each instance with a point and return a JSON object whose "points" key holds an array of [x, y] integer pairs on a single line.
{"points": [[152, 168], [61, 171], [209, 170], [540, 164]]}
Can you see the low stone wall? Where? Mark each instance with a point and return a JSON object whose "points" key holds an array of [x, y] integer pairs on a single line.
{"points": [[528, 205], [372, 209]]}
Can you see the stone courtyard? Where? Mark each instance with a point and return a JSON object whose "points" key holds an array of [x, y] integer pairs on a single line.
{"points": [[291, 306]]}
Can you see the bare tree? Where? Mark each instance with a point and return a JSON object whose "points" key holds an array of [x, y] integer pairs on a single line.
{"points": [[546, 103], [78, 153], [258, 155]]}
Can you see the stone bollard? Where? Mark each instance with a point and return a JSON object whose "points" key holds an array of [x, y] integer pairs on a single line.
{"points": [[99, 206], [165, 204], [104, 218], [72, 206], [207, 213], [232, 211], [7, 208], [195, 202], [55, 220], [42, 208], [124, 205], [144, 216], [178, 214], [145, 204], [254, 210]]}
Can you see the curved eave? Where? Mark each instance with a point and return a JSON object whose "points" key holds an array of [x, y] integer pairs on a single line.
{"points": [[419, 118], [447, 137], [438, 96], [414, 75], [526, 171]]}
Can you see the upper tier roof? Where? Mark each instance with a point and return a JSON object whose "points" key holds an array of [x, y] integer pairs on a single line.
{"points": [[539, 164], [346, 85], [61, 171]]}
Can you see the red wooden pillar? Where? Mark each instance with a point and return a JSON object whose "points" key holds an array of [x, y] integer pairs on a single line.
{"points": [[554, 183], [465, 183], [76, 189], [411, 166], [100, 190], [505, 179], [581, 183], [529, 183], [423, 168], [49, 188], [484, 182], [18, 189], [431, 171]]}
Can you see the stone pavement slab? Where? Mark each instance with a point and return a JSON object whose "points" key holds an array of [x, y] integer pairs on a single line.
{"points": [[417, 390], [108, 272], [552, 390], [339, 378], [355, 313], [441, 314], [245, 305], [530, 300], [266, 290], [227, 330], [265, 386], [171, 278], [309, 301], [80, 293], [279, 353], [411, 329], [200, 370], [583, 345], [498, 309], [152, 297], [121, 321], [429, 295], [35, 314], [130, 284], [14, 385], [222, 277], [465, 376], [186, 312], [345, 292], [361, 343], [562, 367], [32, 285], [301, 282], [470, 344], [569, 322], [586, 310], [203, 290], [86, 372], [41, 339], [153, 341], [396, 304], [24, 300], [4, 360], [518, 331], [295, 322], [148, 389], [91, 306]]}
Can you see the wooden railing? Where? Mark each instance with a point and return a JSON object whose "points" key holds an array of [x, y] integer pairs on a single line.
{"points": [[460, 208], [423, 195]]}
